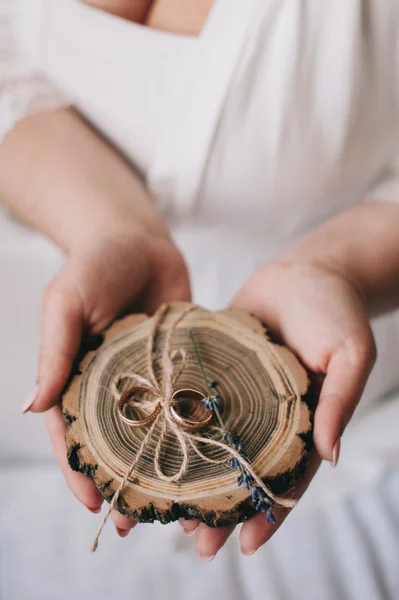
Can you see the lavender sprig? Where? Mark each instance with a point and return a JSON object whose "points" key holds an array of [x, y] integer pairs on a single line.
{"points": [[213, 399], [260, 499]]}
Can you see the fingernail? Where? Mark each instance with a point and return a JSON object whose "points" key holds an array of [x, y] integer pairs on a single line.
{"points": [[206, 559], [30, 400], [248, 552], [122, 532], [336, 453], [190, 532], [95, 510]]}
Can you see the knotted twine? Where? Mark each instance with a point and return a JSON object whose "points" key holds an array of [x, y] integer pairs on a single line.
{"points": [[163, 394]]}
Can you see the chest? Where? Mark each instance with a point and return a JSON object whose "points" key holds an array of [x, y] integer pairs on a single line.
{"points": [[176, 16], [275, 108], [179, 16]]}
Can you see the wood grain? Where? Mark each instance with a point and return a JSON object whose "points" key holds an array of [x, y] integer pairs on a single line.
{"points": [[265, 399]]}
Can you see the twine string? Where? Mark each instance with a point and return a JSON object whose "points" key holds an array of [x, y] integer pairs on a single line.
{"points": [[122, 484], [162, 393]]}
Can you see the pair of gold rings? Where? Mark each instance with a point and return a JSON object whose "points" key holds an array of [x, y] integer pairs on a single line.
{"points": [[136, 393]]}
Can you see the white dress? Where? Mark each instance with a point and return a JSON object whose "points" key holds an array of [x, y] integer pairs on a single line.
{"points": [[280, 114]]}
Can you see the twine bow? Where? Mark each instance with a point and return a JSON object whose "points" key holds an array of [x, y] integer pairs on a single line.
{"points": [[163, 394]]}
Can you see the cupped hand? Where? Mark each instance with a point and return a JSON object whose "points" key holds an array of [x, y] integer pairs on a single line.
{"points": [[126, 269], [320, 315]]}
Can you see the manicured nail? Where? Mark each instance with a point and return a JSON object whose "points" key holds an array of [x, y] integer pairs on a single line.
{"points": [[190, 532], [189, 523], [248, 552], [30, 400], [122, 532], [206, 559], [95, 510], [336, 453]]}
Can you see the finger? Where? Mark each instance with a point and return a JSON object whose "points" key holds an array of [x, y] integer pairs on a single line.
{"points": [[172, 282], [347, 374], [83, 488], [123, 525], [62, 327], [257, 531], [209, 540], [263, 306], [189, 527]]}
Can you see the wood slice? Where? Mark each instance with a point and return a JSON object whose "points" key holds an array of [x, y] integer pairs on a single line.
{"points": [[265, 399]]}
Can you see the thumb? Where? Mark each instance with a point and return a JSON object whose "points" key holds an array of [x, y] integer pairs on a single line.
{"points": [[347, 374], [62, 328]]}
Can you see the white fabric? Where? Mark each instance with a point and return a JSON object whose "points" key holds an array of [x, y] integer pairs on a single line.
{"points": [[27, 264], [232, 91], [24, 91], [348, 551], [387, 188], [339, 550], [280, 114]]}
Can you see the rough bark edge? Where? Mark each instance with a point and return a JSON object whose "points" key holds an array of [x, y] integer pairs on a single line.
{"points": [[280, 484], [243, 510]]}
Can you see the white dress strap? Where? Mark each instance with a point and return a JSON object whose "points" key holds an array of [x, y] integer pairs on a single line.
{"points": [[176, 172]]}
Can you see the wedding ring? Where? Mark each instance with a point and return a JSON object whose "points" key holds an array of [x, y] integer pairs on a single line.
{"points": [[132, 394], [184, 422]]}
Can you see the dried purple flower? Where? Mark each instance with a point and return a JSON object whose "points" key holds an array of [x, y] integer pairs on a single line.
{"points": [[216, 400], [247, 481], [211, 402], [208, 403], [255, 495], [270, 518], [260, 499]]}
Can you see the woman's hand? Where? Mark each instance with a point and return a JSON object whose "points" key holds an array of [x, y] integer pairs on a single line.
{"points": [[317, 299], [78, 191], [127, 270], [321, 316]]}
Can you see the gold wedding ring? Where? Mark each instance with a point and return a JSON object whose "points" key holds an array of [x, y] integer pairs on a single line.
{"points": [[135, 393], [184, 422]]}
